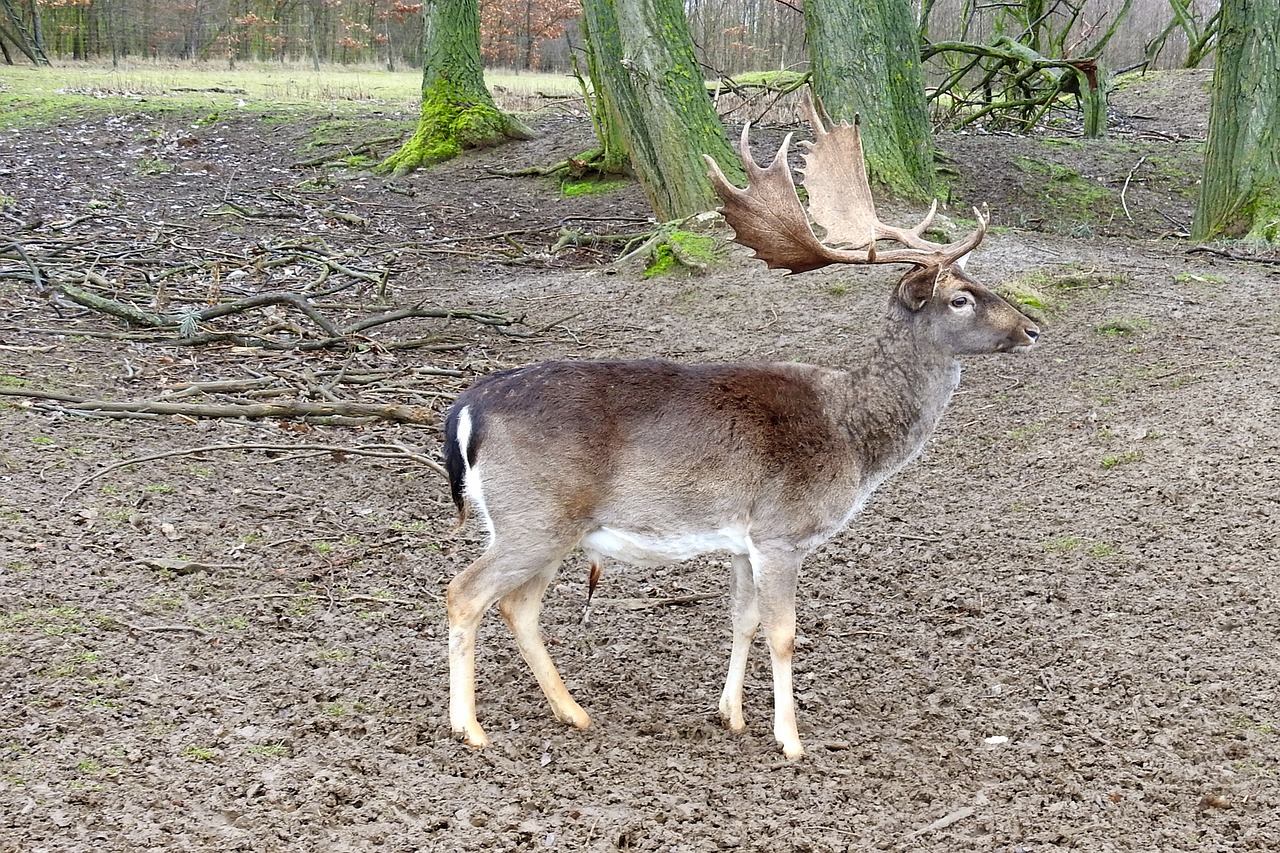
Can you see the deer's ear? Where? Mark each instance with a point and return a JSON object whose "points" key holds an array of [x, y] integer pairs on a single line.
{"points": [[918, 286]]}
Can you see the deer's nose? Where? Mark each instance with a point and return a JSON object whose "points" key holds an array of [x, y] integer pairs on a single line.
{"points": [[1033, 333]]}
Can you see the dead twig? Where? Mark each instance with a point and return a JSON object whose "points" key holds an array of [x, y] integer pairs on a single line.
{"points": [[647, 603], [945, 821], [1233, 255], [1125, 188], [287, 409], [376, 451]]}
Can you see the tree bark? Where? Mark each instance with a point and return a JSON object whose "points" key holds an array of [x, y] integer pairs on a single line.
{"points": [[16, 32], [1240, 190], [653, 92], [865, 59], [457, 110]]}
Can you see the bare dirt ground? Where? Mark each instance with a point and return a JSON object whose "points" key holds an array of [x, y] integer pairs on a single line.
{"points": [[1057, 630]]}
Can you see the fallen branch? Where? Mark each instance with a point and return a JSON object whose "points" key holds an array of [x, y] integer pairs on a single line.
{"points": [[368, 145], [1234, 256], [647, 603], [289, 409], [379, 451], [1125, 188]]}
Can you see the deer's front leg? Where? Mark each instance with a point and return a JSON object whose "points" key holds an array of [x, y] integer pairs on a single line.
{"points": [[775, 574], [745, 614]]}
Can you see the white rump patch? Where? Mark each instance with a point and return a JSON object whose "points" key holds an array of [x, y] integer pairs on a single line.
{"points": [[472, 487]]}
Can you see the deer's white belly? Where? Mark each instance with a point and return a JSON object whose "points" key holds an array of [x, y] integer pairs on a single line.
{"points": [[650, 549]]}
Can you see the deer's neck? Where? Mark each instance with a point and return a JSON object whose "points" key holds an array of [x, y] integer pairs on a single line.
{"points": [[898, 396]]}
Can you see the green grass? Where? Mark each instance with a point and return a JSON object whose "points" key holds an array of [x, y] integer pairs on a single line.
{"points": [[1063, 544], [210, 90], [200, 753], [1115, 460], [570, 189], [1122, 327]]}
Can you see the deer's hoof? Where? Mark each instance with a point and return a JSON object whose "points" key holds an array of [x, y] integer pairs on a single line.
{"points": [[792, 752], [571, 714], [472, 737]]}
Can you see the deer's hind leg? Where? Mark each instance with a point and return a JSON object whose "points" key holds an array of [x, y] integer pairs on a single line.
{"points": [[745, 610], [521, 608], [517, 576]]}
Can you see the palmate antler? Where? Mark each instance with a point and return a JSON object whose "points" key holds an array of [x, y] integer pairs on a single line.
{"points": [[767, 216]]}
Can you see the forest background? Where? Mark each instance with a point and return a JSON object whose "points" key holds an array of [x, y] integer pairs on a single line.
{"points": [[731, 36]]}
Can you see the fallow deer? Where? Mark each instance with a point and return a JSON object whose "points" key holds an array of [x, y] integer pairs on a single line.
{"points": [[653, 462]]}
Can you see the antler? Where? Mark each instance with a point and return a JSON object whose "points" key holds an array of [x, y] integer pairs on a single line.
{"points": [[767, 215]]}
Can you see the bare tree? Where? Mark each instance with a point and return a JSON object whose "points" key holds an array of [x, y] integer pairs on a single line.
{"points": [[1240, 191], [865, 59], [653, 93], [457, 110], [21, 26]]}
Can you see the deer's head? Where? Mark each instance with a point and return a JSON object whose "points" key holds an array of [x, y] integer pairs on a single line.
{"points": [[943, 303]]}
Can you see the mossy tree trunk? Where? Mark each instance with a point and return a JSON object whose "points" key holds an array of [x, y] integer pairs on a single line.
{"points": [[613, 159], [653, 91], [457, 110], [1240, 192], [865, 59]]}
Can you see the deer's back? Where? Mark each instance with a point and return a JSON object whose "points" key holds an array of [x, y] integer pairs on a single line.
{"points": [[655, 444]]}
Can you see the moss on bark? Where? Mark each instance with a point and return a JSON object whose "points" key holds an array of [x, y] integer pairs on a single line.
{"points": [[452, 121], [1238, 193], [865, 59], [457, 110], [651, 88]]}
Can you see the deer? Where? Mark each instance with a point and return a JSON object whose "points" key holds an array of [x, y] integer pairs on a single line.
{"points": [[652, 462]]}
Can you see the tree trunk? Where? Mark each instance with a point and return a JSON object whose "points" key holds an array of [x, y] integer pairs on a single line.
{"points": [[457, 110], [13, 29], [1240, 191], [653, 91], [865, 59], [613, 159]]}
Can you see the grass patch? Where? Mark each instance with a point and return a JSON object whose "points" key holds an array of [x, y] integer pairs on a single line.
{"points": [[1115, 460], [1077, 200], [201, 753], [1122, 327], [1063, 544], [1025, 432], [212, 92], [1198, 278], [571, 189], [1040, 292]]}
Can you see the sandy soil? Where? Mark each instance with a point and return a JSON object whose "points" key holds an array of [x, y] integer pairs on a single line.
{"points": [[1057, 630]]}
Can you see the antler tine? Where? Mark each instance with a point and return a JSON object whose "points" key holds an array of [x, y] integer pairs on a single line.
{"points": [[767, 215], [839, 192], [955, 252]]}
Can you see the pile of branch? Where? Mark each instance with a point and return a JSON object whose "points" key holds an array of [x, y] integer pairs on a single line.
{"points": [[411, 395], [198, 299], [1046, 55]]}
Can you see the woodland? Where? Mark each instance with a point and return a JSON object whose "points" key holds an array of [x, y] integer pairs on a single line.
{"points": [[229, 331]]}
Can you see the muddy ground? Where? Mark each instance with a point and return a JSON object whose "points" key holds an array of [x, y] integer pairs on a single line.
{"points": [[1056, 630]]}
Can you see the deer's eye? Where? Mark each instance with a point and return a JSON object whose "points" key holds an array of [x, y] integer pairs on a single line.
{"points": [[960, 301]]}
